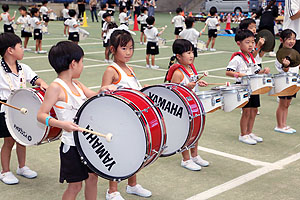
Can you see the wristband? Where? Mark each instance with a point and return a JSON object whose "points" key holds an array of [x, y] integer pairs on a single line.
{"points": [[47, 120], [236, 75]]}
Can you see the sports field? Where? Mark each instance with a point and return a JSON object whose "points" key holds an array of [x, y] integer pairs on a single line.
{"points": [[269, 170]]}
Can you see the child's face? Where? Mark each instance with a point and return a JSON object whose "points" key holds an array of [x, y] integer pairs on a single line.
{"points": [[17, 51], [37, 14], [77, 68], [124, 54], [186, 58], [108, 19], [22, 12], [252, 28], [246, 45], [289, 42]]}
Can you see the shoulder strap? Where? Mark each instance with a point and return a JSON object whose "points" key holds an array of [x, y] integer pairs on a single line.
{"points": [[243, 56], [176, 66]]}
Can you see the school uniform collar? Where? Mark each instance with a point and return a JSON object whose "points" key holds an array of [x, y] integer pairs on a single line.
{"points": [[6, 67]]}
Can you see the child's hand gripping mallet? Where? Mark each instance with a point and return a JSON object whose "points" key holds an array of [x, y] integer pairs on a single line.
{"points": [[108, 136], [204, 74], [22, 110]]}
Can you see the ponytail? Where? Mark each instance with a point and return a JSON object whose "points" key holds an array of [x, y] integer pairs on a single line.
{"points": [[172, 61]]}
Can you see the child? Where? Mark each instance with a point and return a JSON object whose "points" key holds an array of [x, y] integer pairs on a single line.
{"points": [[24, 20], [178, 22], [65, 13], [288, 40], [66, 59], [123, 16], [243, 64], [105, 29], [13, 75], [142, 20], [152, 42], [120, 74], [37, 30], [45, 12], [101, 13], [73, 27], [212, 24], [191, 34], [7, 19]]}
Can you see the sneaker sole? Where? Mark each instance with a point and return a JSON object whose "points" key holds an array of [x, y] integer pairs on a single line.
{"points": [[283, 132], [26, 176], [191, 169], [248, 143], [9, 183], [138, 194]]}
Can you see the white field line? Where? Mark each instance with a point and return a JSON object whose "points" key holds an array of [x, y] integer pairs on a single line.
{"points": [[245, 178], [80, 44]]}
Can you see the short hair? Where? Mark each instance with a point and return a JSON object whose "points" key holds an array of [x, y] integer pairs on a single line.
{"points": [[150, 20], [178, 10], [62, 54], [66, 4], [5, 7], [23, 8], [246, 22], [189, 22], [213, 11], [105, 15], [44, 2], [120, 38], [143, 9], [8, 40], [103, 5], [72, 12], [122, 8], [33, 11], [243, 34]]}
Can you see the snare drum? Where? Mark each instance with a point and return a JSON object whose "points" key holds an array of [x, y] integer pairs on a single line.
{"points": [[234, 96], [285, 84], [25, 128], [259, 83], [83, 34], [138, 129], [211, 100], [183, 114], [161, 42]]}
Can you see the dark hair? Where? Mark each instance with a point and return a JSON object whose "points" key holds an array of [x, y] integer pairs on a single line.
{"points": [[5, 7], [8, 40], [213, 11], [143, 9], [44, 2], [178, 10], [22, 8], [189, 22], [33, 11], [179, 47], [246, 22], [66, 4], [111, 25], [122, 8], [150, 20], [103, 5], [120, 38], [63, 53], [105, 15], [284, 35], [243, 34], [72, 12]]}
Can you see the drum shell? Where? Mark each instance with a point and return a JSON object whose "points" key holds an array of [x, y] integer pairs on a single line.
{"points": [[259, 83], [285, 84], [211, 100]]}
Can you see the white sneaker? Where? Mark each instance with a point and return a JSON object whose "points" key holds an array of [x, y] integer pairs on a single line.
{"points": [[199, 161], [258, 113], [26, 172], [138, 190], [113, 196], [154, 67], [27, 49], [110, 61], [283, 130], [106, 61], [36, 52], [189, 164], [205, 49], [148, 66], [290, 128], [142, 43], [212, 49], [42, 52], [8, 178], [256, 138], [247, 139], [272, 54], [65, 36]]}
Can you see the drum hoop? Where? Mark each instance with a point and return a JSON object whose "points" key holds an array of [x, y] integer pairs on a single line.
{"points": [[285, 75], [79, 149]]}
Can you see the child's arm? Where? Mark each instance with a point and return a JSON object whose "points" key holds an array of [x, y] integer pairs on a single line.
{"points": [[265, 71], [285, 64], [10, 18], [90, 93], [41, 83], [235, 74], [109, 77], [259, 45], [177, 77]]}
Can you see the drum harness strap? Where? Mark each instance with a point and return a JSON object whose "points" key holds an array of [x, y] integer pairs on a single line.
{"points": [[176, 66], [249, 65]]}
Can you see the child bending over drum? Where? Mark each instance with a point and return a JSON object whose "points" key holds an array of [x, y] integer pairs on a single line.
{"points": [[13, 76], [185, 73], [66, 95], [120, 74], [288, 40], [242, 64]]}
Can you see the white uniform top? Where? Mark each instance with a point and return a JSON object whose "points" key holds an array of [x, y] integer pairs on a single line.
{"points": [[178, 21], [238, 64], [142, 18], [101, 13], [290, 9], [44, 10], [258, 59], [24, 21], [34, 20], [4, 17], [151, 34], [10, 81], [65, 13], [191, 35], [122, 18], [71, 22], [278, 66], [212, 23], [126, 80], [186, 79], [66, 110]]}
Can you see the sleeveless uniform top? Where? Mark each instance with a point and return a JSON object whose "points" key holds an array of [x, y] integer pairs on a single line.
{"points": [[66, 110], [5, 18], [126, 80], [187, 79]]}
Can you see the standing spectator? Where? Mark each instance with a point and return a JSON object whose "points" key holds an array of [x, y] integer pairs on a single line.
{"points": [[137, 7], [151, 7], [111, 7], [127, 4], [93, 9], [292, 19], [81, 8]]}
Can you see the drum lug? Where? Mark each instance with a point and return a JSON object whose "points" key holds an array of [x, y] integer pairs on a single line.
{"points": [[138, 113], [238, 96], [264, 81], [287, 80], [213, 101]]}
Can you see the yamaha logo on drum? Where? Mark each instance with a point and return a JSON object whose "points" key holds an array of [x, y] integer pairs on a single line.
{"points": [[23, 133], [99, 149], [166, 105]]}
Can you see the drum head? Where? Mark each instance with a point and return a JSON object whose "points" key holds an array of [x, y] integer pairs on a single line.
{"points": [[25, 128], [125, 154]]}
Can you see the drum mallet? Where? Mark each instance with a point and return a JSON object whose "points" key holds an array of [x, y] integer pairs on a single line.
{"points": [[108, 136], [22, 110], [227, 84], [204, 74]]}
